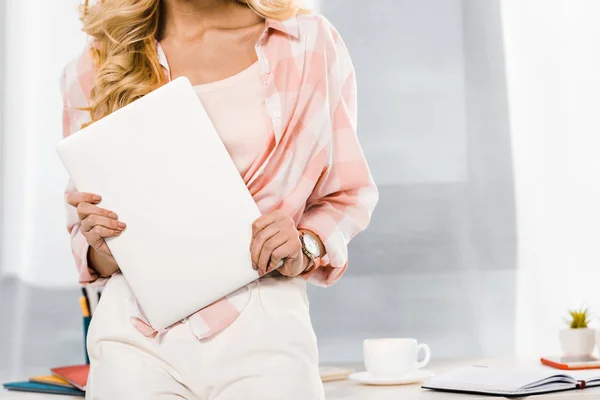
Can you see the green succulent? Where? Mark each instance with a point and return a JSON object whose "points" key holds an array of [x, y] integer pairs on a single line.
{"points": [[579, 318]]}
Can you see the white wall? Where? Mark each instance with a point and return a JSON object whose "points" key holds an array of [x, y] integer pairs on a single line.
{"points": [[553, 59], [438, 261], [312, 4], [41, 36]]}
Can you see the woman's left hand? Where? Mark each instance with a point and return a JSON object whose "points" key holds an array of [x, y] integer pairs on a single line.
{"points": [[275, 238]]}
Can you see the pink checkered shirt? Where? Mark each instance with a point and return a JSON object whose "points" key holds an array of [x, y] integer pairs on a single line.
{"points": [[314, 171]]}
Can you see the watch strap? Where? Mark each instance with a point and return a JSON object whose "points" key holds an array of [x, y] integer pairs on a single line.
{"points": [[313, 264]]}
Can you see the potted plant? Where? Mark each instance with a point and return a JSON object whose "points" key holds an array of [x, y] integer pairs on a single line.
{"points": [[578, 339]]}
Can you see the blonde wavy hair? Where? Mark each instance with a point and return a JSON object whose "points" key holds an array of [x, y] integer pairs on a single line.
{"points": [[124, 47]]}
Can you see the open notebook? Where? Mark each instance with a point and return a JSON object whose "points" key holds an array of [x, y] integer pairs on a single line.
{"points": [[511, 382]]}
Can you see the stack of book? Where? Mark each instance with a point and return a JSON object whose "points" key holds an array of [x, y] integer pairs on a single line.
{"points": [[70, 380]]}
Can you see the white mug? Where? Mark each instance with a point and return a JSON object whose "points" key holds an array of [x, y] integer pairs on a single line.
{"points": [[394, 357]]}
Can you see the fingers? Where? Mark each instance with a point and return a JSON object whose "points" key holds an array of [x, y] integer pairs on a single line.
{"points": [[94, 220], [263, 221], [96, 223], [268, 252], [74, 198], [102, 232], [95, 237], [284, 252], [274, 238], [287, 269], [259, 241], [85, 205], [86, 209]]}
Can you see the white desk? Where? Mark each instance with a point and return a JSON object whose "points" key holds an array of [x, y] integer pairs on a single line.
{"points": [[347, 390], [6, 395], [351, 391]]}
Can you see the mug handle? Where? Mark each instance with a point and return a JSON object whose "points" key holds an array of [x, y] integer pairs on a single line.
{"points": [[421, 364]]}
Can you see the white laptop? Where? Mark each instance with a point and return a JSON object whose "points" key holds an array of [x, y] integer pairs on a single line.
{"points": [[161, 166]]}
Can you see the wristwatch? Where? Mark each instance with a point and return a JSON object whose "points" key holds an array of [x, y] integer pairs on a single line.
{"points": [[310, 247]]}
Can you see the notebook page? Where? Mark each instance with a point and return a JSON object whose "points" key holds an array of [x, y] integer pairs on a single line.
{"points": [[564, 379], [549, 387], [491, 379], [586, 375]]}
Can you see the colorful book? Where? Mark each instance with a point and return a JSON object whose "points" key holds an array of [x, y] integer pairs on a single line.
{"points": [[50, 380], [86, 326], [35, 387], [76, 375]]}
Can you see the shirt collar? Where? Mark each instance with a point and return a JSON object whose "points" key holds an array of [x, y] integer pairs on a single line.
{"points": [[289, 26], [162, 59]]}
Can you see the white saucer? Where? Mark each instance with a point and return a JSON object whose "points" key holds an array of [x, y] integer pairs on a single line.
{"points": [[365, 378]]}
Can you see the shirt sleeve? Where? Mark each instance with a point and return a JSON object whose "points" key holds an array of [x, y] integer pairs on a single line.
{"points": [[74, 115], [345, 195]]}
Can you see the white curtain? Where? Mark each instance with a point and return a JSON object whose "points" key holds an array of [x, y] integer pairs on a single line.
{"points": [[41, 36], [553, 59]]}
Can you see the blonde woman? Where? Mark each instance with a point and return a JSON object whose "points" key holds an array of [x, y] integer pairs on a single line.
{"points": [[279, 86]]}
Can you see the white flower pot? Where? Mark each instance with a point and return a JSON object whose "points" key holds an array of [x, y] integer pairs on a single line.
{"points": [[577, 342]]}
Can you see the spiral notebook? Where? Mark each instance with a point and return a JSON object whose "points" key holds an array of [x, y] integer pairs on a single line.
{"points": [[512, 382]]}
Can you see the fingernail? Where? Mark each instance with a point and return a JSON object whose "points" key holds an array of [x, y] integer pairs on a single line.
{"points": [[113, 215], [254, 266], [118, 232], [97, 198], [121, 224]]}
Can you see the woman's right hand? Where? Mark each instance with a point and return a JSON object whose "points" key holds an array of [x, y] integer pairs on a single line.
{"points": [[97, 223]]}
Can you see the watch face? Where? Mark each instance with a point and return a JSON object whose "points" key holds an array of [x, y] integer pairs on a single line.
{"points": [[311, 245]]}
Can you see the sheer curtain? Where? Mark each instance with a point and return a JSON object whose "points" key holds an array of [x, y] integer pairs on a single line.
{"points": [[40, 37], [552, 62]]}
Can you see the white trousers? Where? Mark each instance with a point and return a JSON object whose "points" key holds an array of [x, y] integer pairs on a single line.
{"points": [[269, 352]]}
